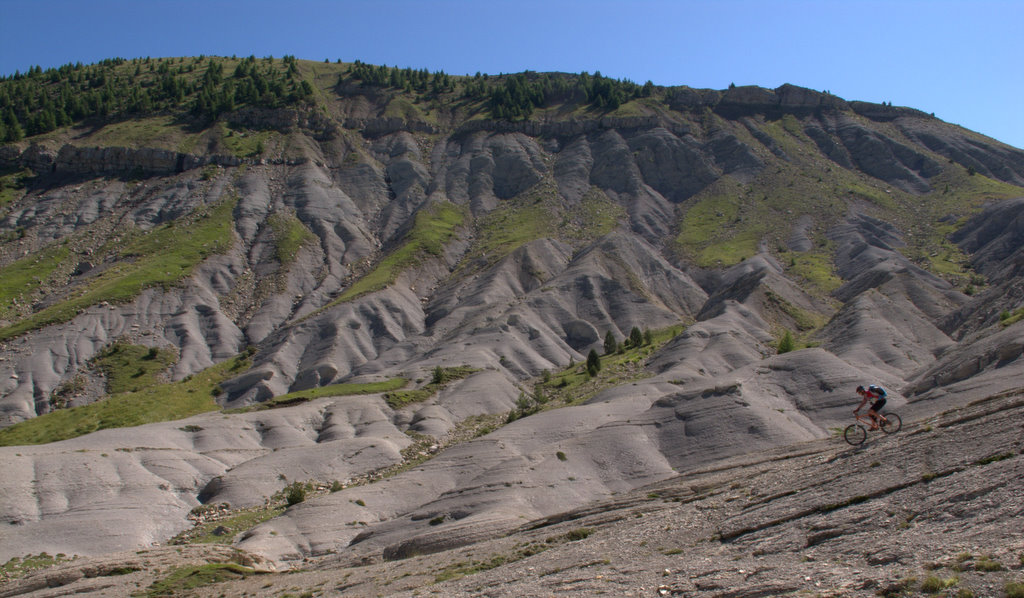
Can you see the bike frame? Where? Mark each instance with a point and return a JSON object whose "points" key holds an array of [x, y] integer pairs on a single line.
{"points": [[866, 419]]}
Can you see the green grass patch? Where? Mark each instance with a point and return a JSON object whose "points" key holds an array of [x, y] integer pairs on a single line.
{"points": [[434, 226], [442, 377], [1011, 317], [813, 267], [130, 368], [22, 278], [21, 566], [401, 398], [595, 216], [987, 564], [244, 143], [331, 390], [540, 213], [572, 385], [404, 108], [805, 320], [464, 568], [160, 257], [934, 585], [1014, 589], [995, 458], [508, 227], [161, 132], [955, 196], [182, 580], [289, 236], [12, 184], [224, 531], [706, 218], [158, 403]]}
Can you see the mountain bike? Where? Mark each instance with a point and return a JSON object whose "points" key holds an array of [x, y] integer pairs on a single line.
{"points": [[856, 433]]}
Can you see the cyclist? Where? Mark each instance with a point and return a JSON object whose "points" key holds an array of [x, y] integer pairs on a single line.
{"points": [[875, 393]]}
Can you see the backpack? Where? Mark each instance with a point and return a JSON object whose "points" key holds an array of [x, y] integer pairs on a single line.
{"points": [[878, 390]]}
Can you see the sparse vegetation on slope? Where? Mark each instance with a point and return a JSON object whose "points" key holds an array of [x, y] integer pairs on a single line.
{"points": [[130, 368], [160, 257], [331, 390], [441, 378], [576, 384], [289, 236], [25, 276], [12, 184], [184, 579], [434, 226], [157, 403]]}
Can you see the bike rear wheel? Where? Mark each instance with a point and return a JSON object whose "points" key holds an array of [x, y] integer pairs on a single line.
{"points": [[855, 434], [891, 423]]}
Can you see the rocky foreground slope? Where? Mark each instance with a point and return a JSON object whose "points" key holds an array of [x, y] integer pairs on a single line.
{"points": [[479, 262], [901, 515]]}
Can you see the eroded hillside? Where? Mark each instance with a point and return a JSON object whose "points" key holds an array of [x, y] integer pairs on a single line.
{"points": [[414, 280]]}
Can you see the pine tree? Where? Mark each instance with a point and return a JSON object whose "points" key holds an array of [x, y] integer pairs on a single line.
{"points": [[593, 363], [636, 338], [786, 343], [610, 344]]}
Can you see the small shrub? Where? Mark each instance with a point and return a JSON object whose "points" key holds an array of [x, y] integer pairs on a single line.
{"points": [[578, 533], [296, 493], [987, 565], [360, 502], [437, 520], [934, 585], [994, 458], [561, 456], [898, 588], [1014, 590]]}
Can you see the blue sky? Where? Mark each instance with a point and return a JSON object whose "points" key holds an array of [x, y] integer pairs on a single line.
{"points": [[960, 59]]}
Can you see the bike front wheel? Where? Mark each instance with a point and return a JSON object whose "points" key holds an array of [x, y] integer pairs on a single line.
{"points": [[855, 434], [891, 423]]}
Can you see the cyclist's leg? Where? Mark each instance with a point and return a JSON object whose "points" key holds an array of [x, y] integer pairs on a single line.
{"points": [[876, 420], [875, 411]]}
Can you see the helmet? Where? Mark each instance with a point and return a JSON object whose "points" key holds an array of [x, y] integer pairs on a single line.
{"points": [[860, 389]]}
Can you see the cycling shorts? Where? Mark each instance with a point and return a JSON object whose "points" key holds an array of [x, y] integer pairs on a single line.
{"points": [[877, 406]]}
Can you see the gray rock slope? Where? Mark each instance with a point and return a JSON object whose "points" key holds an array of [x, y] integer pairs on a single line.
{"points": [[598, 259], [901, 514]]}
